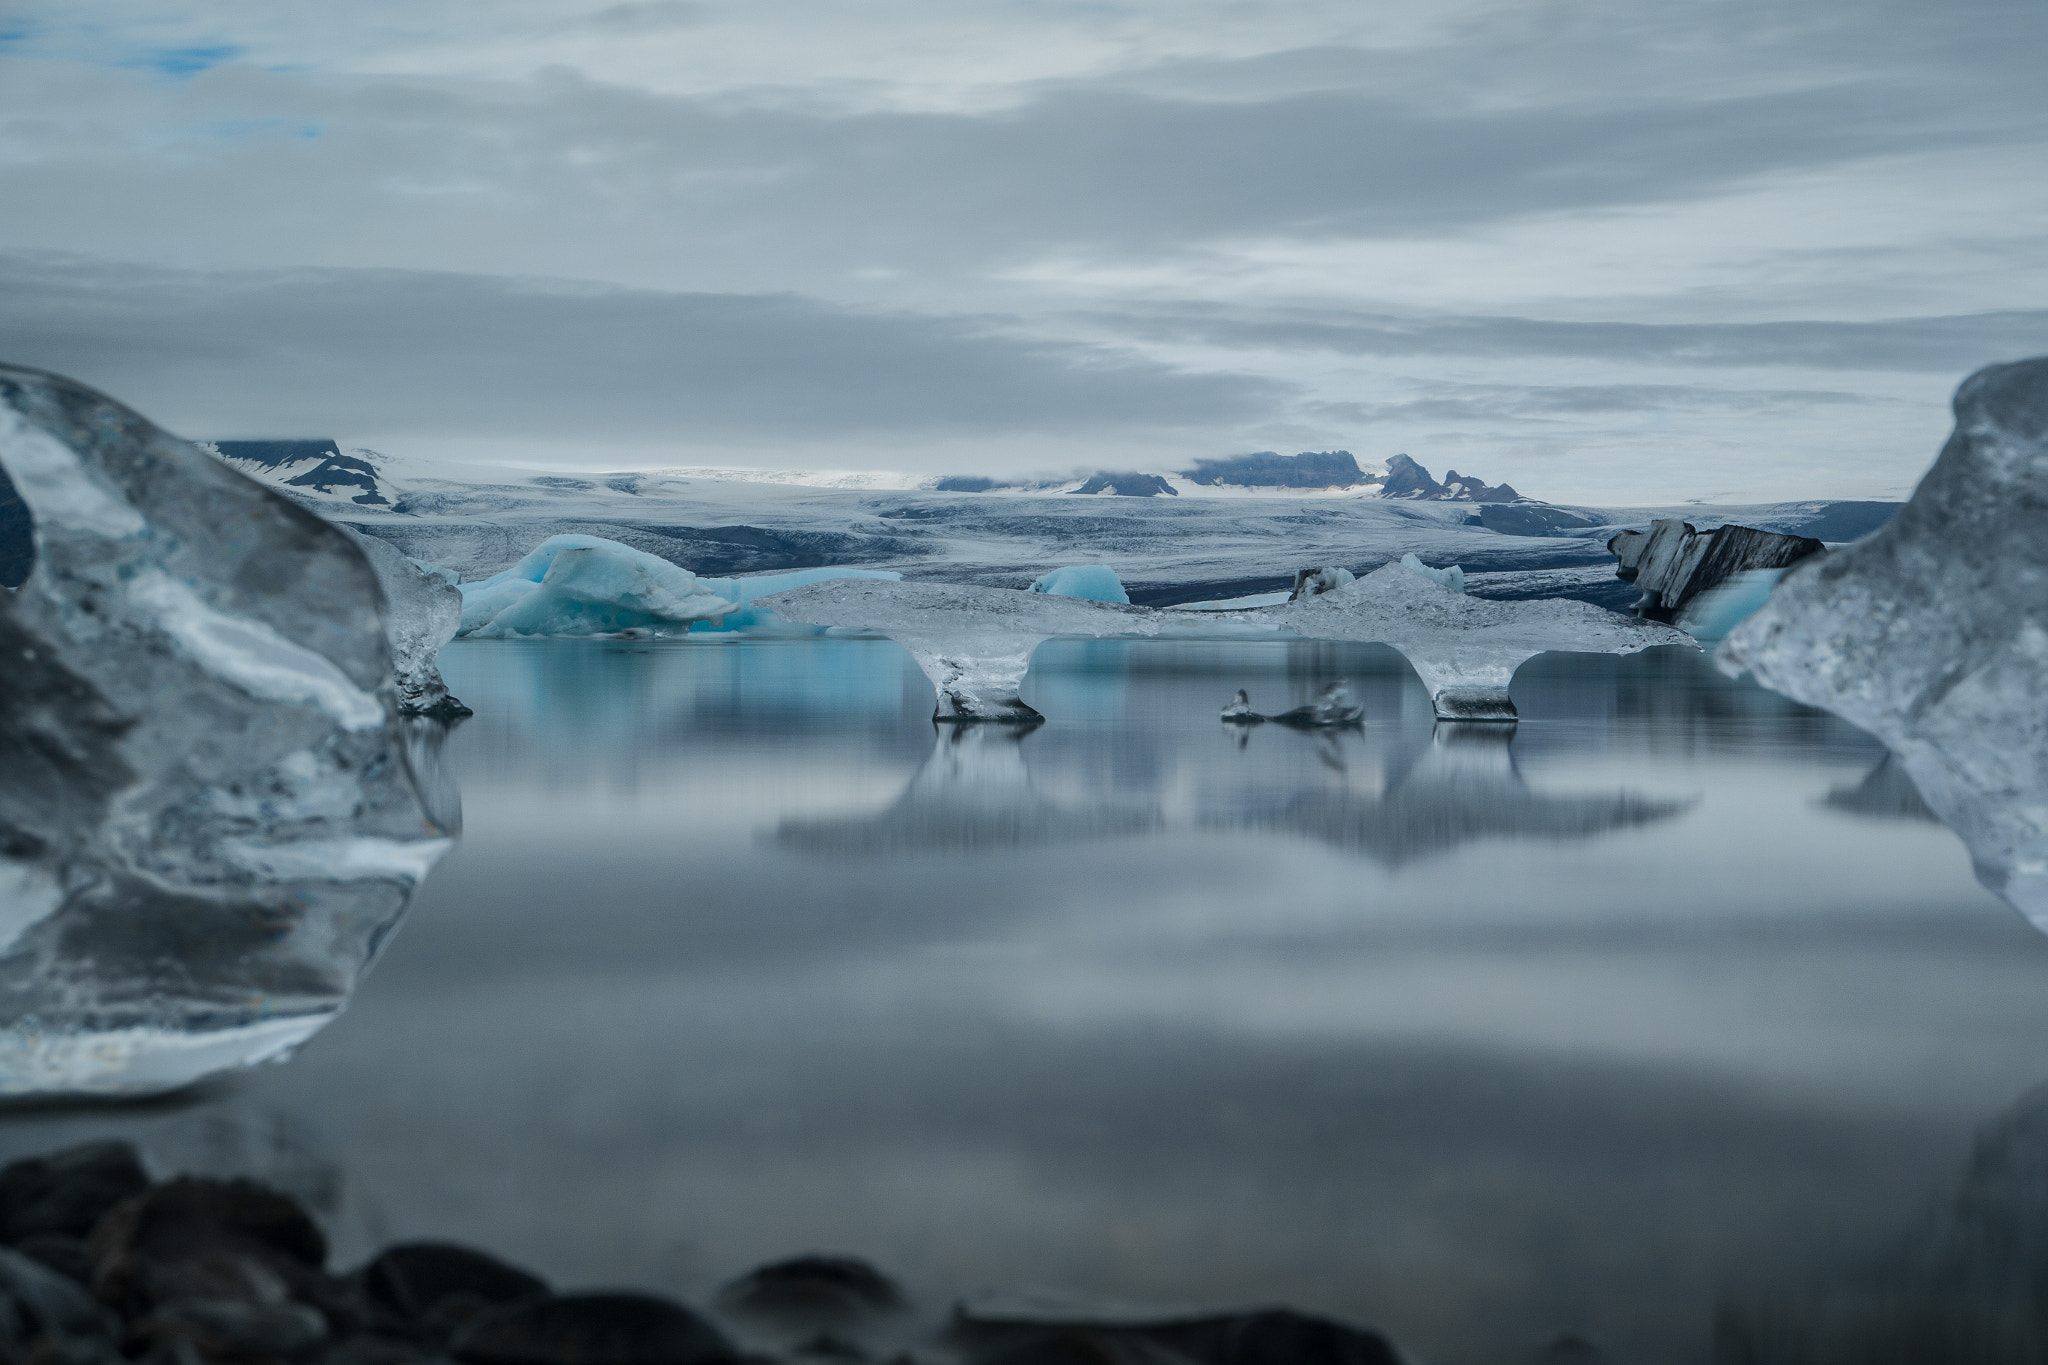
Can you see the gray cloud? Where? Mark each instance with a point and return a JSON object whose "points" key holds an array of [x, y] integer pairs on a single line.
{"points": [[1525, 403], [1941, 345], [318, 351]]}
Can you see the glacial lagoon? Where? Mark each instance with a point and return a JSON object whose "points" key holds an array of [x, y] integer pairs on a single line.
{"points": [[1651, 1014]]}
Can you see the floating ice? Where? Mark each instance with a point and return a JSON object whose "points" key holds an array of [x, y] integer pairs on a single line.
{"points": [[1452, 578], [209, 819], [1310, 582], [422, 612], [587, 585], [1089, 582], [1672, 564], [1466, 649], [1932, 632], [975, 643], [743, 591]]}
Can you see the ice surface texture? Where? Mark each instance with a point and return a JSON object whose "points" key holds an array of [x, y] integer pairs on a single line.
{"points": [[1465, 649], [208, 817], [587, 585], [975, 643], [422, 611], [1932, 633], [1090, 582]]}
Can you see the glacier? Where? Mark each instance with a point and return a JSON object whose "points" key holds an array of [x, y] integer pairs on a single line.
{"points": [[580, 585], [1932, 632], [212, 817], [1089, 582], [975, 643]]}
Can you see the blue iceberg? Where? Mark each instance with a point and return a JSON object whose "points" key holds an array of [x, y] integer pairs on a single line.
{"points": [[587, 585], [1088, 582]]}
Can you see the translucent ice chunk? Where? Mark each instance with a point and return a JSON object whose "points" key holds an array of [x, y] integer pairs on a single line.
{"points": [[1932, 632], [209, 819], [422, 611]]}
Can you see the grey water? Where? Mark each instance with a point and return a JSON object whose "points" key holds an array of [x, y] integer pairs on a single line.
{"points": [[1668, 1000]]}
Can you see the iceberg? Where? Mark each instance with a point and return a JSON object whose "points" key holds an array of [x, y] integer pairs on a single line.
{"points": [[1332, 708], [1089, 582], [975, 643], [210, 818], [1465, 649], [1310, 582], [580, 585], [1672, 563], [1932, 632], [587, 585], [422, 612], [1452, 578]]}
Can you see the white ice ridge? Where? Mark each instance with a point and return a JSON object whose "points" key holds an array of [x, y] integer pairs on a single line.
{"points": [[1932, 633], [975, 644]]}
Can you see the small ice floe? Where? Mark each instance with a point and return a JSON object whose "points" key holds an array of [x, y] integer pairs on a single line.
{"points": [[1333, 708]]}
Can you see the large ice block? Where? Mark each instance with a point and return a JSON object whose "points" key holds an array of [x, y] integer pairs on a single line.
{"points": [[1932, 632], [209, 820]]}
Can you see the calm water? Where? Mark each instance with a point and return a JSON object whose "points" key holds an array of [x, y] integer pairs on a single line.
{"points": [[1664, 998]]}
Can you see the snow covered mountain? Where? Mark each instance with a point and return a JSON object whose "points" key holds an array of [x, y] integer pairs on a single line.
{"points": [[314, 470]]}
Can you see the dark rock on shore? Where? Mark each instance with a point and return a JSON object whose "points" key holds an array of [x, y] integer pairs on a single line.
{"points": [[66, 1193], [592, 1329], [437, 1285], [104, 1267], [1272, 1336], [812, 1290]]}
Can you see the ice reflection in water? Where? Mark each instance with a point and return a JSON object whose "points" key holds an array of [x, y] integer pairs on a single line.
{"points": [[1473, 1090]]}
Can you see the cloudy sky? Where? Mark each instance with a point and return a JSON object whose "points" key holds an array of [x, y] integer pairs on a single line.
{"points": [[1607, 251]]}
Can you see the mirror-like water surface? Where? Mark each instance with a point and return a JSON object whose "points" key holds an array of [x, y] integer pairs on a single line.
{"points": [[1665, 998]]}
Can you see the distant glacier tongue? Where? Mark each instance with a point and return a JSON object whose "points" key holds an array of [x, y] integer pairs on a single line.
{"points": [[209, 820]]}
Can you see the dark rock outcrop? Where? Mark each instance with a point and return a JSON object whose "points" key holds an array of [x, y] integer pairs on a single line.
{"points": [[1672, 563], [592, 1329], [1407, 479], [1128, 485], [1266, 469], [812, 1291], [328, 470]]}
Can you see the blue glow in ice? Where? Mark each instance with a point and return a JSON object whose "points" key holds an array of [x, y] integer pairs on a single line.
{"points": [[1089, 582], [1722, 608]]}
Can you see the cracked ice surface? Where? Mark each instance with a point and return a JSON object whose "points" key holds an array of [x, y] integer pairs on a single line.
{"points": [[1932, 632], [208, 817], [975, 643]]}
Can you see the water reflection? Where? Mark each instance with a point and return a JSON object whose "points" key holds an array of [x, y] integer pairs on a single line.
{"points": [[1463, 787], [729, 967]]}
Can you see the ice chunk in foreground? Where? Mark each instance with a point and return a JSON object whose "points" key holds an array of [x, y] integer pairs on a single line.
{"points": [[422, 612], [975, 643], [1932, 632], [1089, 582], [1466, 649], [1452, 578], [209, 821], [587, 585]]}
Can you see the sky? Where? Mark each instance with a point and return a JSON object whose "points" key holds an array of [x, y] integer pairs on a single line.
{"points": [[1607, 252]]}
